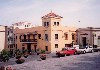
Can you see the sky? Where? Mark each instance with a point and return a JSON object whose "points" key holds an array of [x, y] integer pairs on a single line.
{"points": [[78, 13]]}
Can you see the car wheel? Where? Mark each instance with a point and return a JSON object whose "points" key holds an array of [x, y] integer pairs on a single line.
{"points": [[63, 55], [84, 51], [92, 51], [75, 53], [67, 54], [58, 55]]}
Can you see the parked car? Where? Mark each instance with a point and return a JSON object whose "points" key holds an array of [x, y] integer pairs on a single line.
{"points": [[96, 49], [77, 48], [84, 49], [66, 51]]}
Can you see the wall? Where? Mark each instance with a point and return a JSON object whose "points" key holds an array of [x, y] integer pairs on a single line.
{"points": [[2, 37]]}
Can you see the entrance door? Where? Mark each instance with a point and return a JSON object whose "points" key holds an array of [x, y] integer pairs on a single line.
{"points": [[29, 47], [35, 47], [84, 41]]}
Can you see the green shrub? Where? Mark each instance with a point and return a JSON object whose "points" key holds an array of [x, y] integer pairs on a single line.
{"points": [[18, 52], [25, 51], [43, 51], [4, 55], [20, 61], [18, 56]]}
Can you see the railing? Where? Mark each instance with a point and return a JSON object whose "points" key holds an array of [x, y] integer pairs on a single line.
{"points": [[28, 40]]}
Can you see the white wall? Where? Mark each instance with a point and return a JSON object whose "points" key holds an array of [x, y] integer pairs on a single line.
{"points": [[2, 37], [96, 40]]}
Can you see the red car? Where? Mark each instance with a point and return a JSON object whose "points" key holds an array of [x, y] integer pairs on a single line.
{"points": [[66, 51]]}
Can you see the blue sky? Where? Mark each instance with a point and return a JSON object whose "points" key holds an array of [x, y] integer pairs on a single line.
{"points": [[72, 11]]}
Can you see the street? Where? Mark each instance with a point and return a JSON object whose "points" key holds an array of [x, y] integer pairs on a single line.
{"points": [[88, 61]]}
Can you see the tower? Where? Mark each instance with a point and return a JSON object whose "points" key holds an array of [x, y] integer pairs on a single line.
{"points": [[51, 20], [53, 31]]}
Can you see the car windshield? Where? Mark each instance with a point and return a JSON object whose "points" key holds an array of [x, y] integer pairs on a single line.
{"points": [[90, 46], [81, 47]]}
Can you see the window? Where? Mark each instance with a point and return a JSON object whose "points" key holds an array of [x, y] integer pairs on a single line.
{"points": [[24, 36], [46, 37], [39, 36], [11, 31], [8, 32], [20, 37], [66, 36], [8, 39], [47, 23], [56, 45], [16, 46], [33, 36], [57, 23], [25, 25], [11, 46], [73, 36], [16, 37], [65, 45], [28, 36], [98, 37], [56, 36], [22, 44], [23, 48], [54, 23], [44, 24], [46, 48], [11, 39], [95, 35]]}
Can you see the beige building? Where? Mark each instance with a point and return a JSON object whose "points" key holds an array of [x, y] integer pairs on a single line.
{"points": [[51, 36], [88, 36], [3, 42], [22, 25]]}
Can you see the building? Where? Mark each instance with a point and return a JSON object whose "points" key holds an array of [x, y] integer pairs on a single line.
{"points": [[6, 38], [51, 36], [96, 37], [22, 25], [10, 39], [88, 36], [3, 37]]}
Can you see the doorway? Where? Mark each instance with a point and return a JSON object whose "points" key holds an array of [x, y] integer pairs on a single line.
{"points": [[29, 48], [35, 48], [84, 41]]}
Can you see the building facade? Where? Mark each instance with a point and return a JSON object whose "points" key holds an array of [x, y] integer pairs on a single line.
{"points": [[10, 39], [3, 38], [88, 36], [22, 25], [6, 38], [51, 36]]}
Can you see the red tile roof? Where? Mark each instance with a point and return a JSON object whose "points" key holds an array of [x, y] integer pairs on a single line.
{"points": [[51, 15]]}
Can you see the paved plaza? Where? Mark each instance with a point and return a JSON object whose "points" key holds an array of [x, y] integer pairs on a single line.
{"points": [[89, 61]]}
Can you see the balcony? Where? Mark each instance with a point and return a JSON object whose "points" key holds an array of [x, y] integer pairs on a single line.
{"points": [[28, 40]]}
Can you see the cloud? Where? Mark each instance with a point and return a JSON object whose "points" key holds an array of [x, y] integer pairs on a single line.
{"points": [[73, 11]]}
